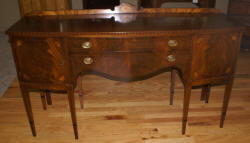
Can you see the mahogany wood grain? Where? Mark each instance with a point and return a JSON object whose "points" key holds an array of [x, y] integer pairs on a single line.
{"points": [[27, 104], [205, 93], [80, 90], [126, 9], [48, 97], [186, 101], [208, 88], [172, 85], [125, 47], [43, 98], [71, 100], [157, 4], [227, 95]]}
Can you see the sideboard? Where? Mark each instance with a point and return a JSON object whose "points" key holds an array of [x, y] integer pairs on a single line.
{"points": [[52, 48]]}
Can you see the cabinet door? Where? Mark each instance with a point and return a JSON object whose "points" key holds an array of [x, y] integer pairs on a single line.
{"points": [[214, 55], [40, 60]]}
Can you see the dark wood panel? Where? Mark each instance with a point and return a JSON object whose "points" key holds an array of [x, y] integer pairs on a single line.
{"points": [[139, 44], [214, 55], [40, 60], [129, 66]]}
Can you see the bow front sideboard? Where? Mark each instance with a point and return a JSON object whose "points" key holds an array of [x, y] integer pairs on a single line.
{"points": [[52, 48]]}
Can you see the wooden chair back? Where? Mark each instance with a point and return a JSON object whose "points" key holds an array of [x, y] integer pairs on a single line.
{"points": [[27, 6]]}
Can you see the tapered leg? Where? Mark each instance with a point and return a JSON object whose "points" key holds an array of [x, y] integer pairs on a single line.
{"points": [[80, 92], [186, 107], [208, 88], [73, 111], [227, 94], [28, 108], [173, 74], [203, 93], [43, 98], [48, 98]]}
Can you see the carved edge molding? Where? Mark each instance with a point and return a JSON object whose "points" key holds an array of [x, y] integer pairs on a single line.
{"points": [[124, 34]]}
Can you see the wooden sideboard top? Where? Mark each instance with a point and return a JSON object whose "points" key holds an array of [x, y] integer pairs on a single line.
{"points": [[106, 22]]}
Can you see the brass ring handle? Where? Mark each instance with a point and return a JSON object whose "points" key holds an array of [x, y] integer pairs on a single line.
{"points": [[19, 43], [88, 60], [61, 63], [171, 58], [86, 45], [172, 43]]}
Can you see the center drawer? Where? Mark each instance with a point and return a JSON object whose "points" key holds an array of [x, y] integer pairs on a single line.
{"points": [[127, 65], [134, 45]]}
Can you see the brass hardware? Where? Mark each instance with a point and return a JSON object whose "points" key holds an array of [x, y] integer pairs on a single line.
{"points": [[86, 45], [19, 43], [171, 58], [88, 60], [172, 43], [234, 38], [61, 63], [57, 44]]}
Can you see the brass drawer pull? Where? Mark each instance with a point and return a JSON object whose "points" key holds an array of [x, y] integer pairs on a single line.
{"points": [[19, 43], [172, 43], [88, 60], [171, 58], [61, 63], [86, 45]]}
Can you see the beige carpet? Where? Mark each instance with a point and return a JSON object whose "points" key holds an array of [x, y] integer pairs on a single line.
{"points": [[7, 71]]}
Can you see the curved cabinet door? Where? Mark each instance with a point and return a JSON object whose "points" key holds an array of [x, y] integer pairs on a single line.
{"points": [[214, 56], [40, 60]]}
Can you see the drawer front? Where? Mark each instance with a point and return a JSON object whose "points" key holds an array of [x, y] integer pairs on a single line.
{"points": [[129, 65], [139, 44]]}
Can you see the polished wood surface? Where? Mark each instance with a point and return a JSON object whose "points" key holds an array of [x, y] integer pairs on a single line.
{"points": [[130, 46], [126, 8], [132, 24], [27, 6], [135, 112]]}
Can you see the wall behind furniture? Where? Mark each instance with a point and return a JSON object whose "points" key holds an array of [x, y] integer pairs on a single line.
{"points": [[220, 4], [9, 13]]}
